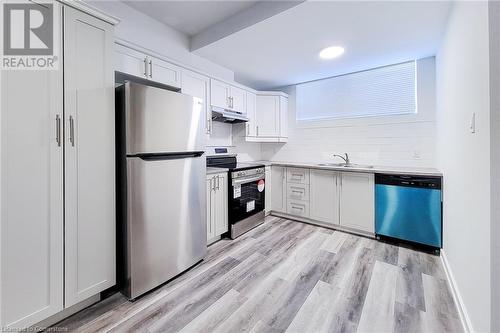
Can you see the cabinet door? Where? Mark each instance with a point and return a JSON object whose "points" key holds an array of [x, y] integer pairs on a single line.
{"points": [[324, 197], [131, 62], [31, 178], [357, 201], [210, 209], [221, 225], [89, 157], [251, 105], [198, 86], [219, 94], [268, 190], [278, 179], [164, 72], [238, 99], [283, 117], [268, 116]]}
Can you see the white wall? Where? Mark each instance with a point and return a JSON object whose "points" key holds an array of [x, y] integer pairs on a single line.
{"points": [[494, 24], [463, 157], [148, 33], [405, 140]]}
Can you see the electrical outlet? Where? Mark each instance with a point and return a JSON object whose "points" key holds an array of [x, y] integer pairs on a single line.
{"points": [[416, 155]]}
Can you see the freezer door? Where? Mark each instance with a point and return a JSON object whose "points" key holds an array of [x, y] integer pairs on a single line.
{"points": [[160, 120], [166, 219]]}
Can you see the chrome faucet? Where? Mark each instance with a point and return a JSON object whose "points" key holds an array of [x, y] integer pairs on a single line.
{"points": [[346, 158]]}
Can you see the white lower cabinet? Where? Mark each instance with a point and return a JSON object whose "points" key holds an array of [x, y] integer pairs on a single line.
{"points": [[324, 196], [357, 201], [278, 185], [217, 219], [268, 189], [338, 199], [57, 227]]}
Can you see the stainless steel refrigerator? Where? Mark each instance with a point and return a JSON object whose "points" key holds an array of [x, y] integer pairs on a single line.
{"points": [[161, 184]]}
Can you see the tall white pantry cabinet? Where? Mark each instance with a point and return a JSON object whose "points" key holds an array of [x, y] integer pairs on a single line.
{"points": [[57, 176]]}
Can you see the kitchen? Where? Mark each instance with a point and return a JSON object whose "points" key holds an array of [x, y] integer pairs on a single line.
{"points": [[178, 169]]}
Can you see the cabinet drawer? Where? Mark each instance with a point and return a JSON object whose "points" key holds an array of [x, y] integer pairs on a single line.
{"points": [[297, 175], [297, 208], [297, 191]]}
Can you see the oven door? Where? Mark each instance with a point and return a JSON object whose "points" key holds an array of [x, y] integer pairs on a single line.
{"points": [[246, 197]]}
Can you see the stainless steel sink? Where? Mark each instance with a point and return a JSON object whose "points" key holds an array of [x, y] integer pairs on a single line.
{"points": [[350, 165]]}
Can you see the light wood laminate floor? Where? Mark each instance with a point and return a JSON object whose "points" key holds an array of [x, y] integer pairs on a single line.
{"points": [[287, 276]]}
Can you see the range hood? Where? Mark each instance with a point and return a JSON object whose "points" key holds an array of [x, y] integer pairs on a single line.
{"points": [[227, 116]]}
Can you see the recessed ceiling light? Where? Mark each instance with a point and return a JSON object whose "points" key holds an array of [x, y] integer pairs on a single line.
{"points": [[331, 52]]}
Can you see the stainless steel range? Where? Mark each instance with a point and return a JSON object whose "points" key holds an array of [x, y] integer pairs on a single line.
{"points": [[246, 193]]}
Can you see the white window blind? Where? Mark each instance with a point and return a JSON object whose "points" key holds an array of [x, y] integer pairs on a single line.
{"points": [[389, 90]]}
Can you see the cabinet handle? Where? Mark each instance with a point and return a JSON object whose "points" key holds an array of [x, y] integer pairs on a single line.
{"points": [[257, 130], [58, 130], [299, 175], [208, 126], [150, 68], [213, 179], [72, 131], [296, 191], [218, 182], [248, 129], [298, 208], [232, 102], [146, 67]]}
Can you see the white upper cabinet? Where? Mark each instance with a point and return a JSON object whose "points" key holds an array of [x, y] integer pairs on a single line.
{"points": [[198, 85], [90, 225], [271, 118], [227, 96], [357, 203], [267, 116], [219, 94], [132, 62], [324, 194], [251, 108], [238, 99], [164, 72]]}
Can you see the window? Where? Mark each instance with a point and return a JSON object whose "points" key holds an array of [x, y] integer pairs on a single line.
{"points": [[384, 91]]}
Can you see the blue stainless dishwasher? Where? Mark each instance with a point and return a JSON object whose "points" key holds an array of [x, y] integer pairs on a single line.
{"points": [[409, 208]]}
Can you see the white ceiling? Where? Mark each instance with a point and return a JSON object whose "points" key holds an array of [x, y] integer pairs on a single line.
{"points": [[283, 49], [190, 17]]}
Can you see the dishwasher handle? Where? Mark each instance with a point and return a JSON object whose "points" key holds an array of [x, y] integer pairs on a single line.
{"points": [[430, 182]]}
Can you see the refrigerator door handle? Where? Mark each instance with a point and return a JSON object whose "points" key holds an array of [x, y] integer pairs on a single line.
{"points": [[167, 156]]}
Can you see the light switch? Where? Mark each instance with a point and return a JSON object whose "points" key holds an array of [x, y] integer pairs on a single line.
{"points": [[472, 126]]}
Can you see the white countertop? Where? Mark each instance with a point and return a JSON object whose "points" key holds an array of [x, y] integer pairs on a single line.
{"points": [[375, 169]]}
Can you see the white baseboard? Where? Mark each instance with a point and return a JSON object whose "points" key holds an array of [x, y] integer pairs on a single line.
{"points": [[462, 310]]}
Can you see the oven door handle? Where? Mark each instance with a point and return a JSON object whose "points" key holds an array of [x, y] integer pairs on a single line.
{"points": [[247, 180]]}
